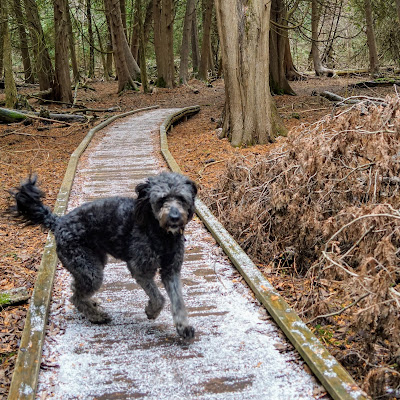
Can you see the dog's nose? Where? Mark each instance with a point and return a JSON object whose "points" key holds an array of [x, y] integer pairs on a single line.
{"points": [[174, 214]]}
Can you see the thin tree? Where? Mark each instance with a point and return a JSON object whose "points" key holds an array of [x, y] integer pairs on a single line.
{"points": [[163, 14], [195, 44], [205, 60], [319, 68], [62, 83], [43, 65], [71, 43], [10, 87], [23, 39], [2, 33], [142, 47], [373, 53], [398, 9], [250, 113], [187, 28], [90, 37]]}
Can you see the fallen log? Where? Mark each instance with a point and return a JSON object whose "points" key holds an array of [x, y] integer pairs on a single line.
{"points": [[13, 296], [350, 100], [375, 83], [7, 115]]}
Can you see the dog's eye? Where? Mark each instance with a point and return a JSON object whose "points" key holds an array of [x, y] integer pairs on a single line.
{"points": [[161, 201], [181, 199]]}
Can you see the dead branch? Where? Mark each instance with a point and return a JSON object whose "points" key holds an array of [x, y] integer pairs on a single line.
{"points": [[342, 310]]}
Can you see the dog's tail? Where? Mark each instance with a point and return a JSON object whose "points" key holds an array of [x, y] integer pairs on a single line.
{"points": [[28, 207]]}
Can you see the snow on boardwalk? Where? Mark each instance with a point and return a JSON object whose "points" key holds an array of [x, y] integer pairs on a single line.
{"points": [[237, 353]]}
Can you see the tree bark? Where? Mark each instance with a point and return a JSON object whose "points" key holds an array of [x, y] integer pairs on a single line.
{"points": [[91, 38], [142, 47], [279, 45], [250, 113], [195, 44], [373, 53], [205, 61], [163, 14], [127, 68], [62, 83], [10, 87], [71, 43], [319, 68], [23, 39], [187, 28], [43, 65], [398, 9], [2, 33]]}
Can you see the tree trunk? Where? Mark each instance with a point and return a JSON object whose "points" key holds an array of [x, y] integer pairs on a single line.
{"points": [[122, 6], [373, 54], [163, 14], [91, 38], [278, 42], [319, 68], [2, 34], [135, 32], [205, 61], [195, 45], [71, 43], [142, 47], [106, 72], [43, 66], [62, 82], [10, 88], [187, 27], [250, 113], [398, 9], [125, 64], [23, 39]]}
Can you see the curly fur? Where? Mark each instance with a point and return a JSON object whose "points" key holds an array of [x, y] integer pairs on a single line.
{"points": [[146, 233]]}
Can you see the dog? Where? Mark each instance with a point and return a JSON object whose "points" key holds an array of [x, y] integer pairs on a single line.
{"points": [[146, 232]]}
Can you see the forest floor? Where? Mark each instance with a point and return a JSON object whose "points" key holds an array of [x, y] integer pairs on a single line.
{"points": [[45, 149]]}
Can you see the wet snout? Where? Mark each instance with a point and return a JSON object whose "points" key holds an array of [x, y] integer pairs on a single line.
{"points": [[173, 216]]}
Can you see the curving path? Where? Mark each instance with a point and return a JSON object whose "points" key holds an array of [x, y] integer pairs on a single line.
{"points": [[238, 353]]}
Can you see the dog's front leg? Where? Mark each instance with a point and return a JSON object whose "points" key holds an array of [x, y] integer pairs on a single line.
{"points": [[172, 283]]}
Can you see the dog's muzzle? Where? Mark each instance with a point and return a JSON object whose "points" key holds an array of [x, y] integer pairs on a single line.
{"points": [[175, 222]]}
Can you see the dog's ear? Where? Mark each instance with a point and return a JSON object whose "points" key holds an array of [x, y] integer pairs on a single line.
{"points": [[193, 187], [142, 189], [142, 204]]}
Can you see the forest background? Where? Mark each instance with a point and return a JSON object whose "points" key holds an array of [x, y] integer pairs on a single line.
{"points": [[264, 153]]}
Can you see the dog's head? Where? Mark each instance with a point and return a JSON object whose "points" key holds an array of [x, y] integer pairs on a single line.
{"points": [[169, 197]]}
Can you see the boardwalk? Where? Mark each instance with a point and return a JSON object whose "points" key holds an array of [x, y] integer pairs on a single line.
{"points": [[237, 353]]}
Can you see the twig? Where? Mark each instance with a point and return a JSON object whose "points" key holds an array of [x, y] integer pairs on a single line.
{"points": [[338, 312], [339, 265], [358, 219]]}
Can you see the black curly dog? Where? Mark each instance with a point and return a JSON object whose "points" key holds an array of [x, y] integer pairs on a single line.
{"points": [[146, 233]]}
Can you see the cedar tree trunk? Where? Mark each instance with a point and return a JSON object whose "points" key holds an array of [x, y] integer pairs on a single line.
{"points": [[205, 61], [10, 88], [125, 64], [373, 54], [62, 82], [43, 65], [23, 39], [187, 27], [250, 113], [279, 43], [163, 14]]}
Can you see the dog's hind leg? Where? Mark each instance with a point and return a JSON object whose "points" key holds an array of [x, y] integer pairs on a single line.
{"points": [[86, 267], [172, 283]]}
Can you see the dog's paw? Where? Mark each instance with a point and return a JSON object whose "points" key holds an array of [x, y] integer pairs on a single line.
{"points": [[185, 331], [153, 311], [99, 318]]}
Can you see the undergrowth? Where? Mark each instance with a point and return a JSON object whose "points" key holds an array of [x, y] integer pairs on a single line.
{"points": [[328, 199]]}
